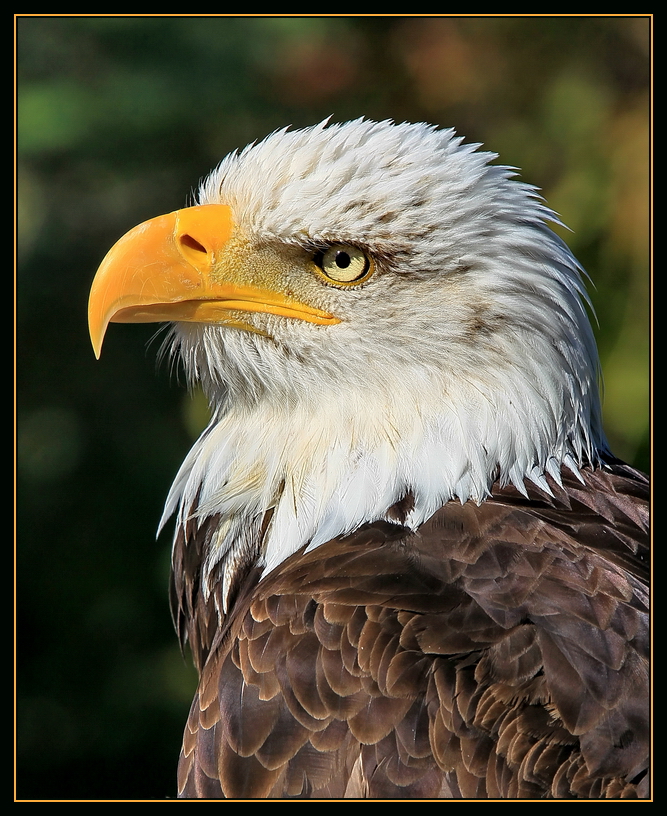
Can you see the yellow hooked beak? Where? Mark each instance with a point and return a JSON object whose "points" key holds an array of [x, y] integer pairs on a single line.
{"points": [[182, 267]]}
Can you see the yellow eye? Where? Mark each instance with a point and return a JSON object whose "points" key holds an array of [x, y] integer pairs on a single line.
{"points": [[343, 263]]}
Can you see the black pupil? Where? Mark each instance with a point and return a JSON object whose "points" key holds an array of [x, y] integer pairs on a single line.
{"points": [[342, 260]]}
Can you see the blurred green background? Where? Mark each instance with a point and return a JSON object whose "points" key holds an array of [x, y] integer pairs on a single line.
{"points": [[118, 120]]}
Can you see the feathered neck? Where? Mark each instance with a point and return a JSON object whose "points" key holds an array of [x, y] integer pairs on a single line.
{"points": [[282, 477]]}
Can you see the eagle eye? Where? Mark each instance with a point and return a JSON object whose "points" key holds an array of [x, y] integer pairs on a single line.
{"points": [[343, 263]]}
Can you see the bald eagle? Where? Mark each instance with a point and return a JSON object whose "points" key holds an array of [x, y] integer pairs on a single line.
{"points": [[405, 561]]}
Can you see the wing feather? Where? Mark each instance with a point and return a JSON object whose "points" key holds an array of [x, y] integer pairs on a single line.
{"points": [[500, 651]]}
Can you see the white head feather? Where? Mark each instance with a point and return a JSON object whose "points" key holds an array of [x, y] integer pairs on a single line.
{"points": [[468, 357]]}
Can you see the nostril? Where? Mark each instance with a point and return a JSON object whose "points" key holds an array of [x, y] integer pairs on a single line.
{"points": [[194, 252], [188, 242]]}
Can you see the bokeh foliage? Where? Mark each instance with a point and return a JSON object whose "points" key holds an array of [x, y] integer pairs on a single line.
{"points": [[118, 119]]}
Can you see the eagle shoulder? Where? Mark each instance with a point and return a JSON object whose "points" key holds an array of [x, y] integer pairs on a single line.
{"points": [[498, 651]]}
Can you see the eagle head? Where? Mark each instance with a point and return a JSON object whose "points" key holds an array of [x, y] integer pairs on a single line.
{"points": [[377, 313]]}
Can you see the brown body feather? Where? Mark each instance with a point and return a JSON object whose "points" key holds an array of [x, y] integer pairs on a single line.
{"points": [[500, 651]]}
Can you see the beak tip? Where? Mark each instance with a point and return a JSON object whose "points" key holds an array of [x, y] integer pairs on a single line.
{"points": [[96, 340], [98, 321]]}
